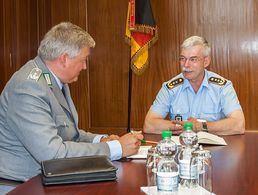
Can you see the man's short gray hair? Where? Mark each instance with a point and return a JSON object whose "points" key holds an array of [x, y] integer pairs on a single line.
{"points": [[196, 40], [64, 38]]}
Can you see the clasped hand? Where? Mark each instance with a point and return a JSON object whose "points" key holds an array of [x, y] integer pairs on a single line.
{"points": [[197, 125], [130, 143]]}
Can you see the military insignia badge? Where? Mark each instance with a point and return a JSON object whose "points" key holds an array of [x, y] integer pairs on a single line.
{"points": [[178, 117], [175, 83], [35, 74], [217, 81], [48, 79]]}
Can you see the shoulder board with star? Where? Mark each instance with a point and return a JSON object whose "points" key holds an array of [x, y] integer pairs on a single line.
{"points": [[172, 84], [217, 81]]}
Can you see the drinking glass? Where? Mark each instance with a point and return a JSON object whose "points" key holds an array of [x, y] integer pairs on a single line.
{"points": [[151, 166], [202, 158]]}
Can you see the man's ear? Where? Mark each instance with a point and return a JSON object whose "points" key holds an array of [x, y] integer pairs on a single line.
{"points": [[62, 59], [207, 61]]}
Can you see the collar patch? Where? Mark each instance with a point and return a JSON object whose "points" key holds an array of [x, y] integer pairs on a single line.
{"points": [[48, 79]]}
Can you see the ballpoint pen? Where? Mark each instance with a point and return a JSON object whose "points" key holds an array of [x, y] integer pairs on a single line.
{"points": [[143, 141]]}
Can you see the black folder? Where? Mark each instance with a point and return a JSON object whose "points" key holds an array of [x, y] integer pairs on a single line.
{"points": [[77, 170]]}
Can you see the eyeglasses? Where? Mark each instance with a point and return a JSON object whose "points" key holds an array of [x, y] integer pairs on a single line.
{"points": [[192, 60]]}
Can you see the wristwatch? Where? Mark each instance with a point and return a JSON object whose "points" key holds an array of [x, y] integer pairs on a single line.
{"points": [[204, 127]]}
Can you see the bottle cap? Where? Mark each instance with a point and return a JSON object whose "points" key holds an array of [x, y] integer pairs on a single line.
{"points": [[166, 134], [188, 126]]}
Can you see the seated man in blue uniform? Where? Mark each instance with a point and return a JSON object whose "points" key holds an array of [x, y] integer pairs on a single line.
{"points": [[197, 95], [38, 122]]}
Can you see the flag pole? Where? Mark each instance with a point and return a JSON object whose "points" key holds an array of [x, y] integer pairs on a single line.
{"points": [[129, 96]]}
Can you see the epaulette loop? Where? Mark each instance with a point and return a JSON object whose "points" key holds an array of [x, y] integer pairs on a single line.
{"points": [[217, 81], [172, 84]]}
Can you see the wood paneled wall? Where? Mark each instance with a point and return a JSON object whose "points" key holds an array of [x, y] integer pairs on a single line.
{"points": [[101, 94], [108, 69], [18, 35]]}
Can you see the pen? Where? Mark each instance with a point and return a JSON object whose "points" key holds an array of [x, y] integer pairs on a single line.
{"points": [[143, 141]]}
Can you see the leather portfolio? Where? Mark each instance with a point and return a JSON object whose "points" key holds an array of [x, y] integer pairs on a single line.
{"points": [[77, 170]]}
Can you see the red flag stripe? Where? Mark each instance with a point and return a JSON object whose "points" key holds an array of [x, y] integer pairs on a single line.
{"points": [[141, 38]]}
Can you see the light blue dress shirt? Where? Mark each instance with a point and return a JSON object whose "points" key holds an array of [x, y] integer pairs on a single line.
{"points": [[212, 102], [114, 145], [4, 189]]}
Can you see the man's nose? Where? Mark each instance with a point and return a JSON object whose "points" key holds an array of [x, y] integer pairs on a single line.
{"points": [[187, 63]]}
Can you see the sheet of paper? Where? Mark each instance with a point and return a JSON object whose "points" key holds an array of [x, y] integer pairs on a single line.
{"points": [[142, 153], [176, 140], [152, 190]]}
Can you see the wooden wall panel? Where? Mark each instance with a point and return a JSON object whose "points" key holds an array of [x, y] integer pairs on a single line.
{"points": [[2, 47], [5, 41], [25, 32], [108, 69], [18, 37]]}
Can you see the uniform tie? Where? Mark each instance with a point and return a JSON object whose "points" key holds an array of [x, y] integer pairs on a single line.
{"points": [[63, 91]]}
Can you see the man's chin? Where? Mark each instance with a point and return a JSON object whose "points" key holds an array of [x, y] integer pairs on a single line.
{"points": [[73, 80], [187, 75]]}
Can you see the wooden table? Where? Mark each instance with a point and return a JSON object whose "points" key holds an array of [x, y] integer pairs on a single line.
{"points": [[234, 172]]}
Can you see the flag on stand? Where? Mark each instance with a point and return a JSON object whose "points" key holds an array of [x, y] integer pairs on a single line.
{"points": [[141, 33]]}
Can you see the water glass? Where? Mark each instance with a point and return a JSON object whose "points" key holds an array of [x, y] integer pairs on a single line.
{"points": [[204, 167], [151, 166]]}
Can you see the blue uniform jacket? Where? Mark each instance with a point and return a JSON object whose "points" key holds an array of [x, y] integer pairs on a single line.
{"points": [[215, 99]]}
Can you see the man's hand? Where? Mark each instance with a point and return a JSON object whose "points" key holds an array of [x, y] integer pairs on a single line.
{"points": [[109, 138], [197, 125], [177, 127], [130, 143]]}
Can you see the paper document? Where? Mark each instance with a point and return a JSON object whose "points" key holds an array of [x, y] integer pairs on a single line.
{"points": [[142, 153], [152, 190]]}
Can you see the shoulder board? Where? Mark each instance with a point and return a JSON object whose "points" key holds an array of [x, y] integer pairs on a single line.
{"points": [[175, 83], [217, 81], [35, 74]]}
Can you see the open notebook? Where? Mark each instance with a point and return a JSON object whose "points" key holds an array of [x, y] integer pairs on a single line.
{"points": [[208, 138], [205, 138]]}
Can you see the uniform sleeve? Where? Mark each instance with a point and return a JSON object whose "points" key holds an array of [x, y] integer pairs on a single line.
{"points": [[29, 116], [161, 104], [88, 137], [230, 102]]}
